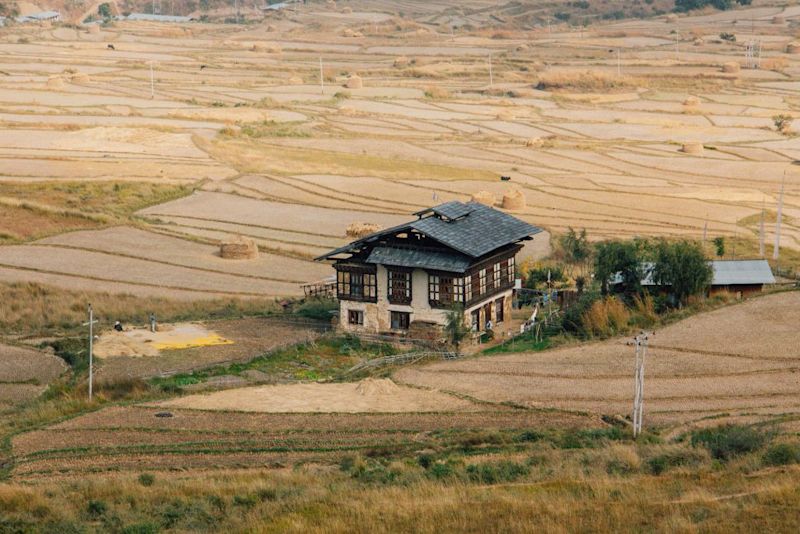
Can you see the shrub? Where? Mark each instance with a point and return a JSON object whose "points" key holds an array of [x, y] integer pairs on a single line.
{"points": [[728, 441], [580, 439], [318, 308], [530, 435], [96, 508], [147, 479], [676, 458], [140, 528], [441, 470], [605, 318], [782, 454], [623, 461], [492, 473]]}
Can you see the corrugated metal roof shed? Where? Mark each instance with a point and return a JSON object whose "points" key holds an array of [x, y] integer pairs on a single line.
{"points": [[741, 272], [157, 18]]}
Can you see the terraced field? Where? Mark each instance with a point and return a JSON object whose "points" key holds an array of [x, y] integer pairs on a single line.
{"points": [[738, 360], [133, 438], [25, 374], [592, 138]]}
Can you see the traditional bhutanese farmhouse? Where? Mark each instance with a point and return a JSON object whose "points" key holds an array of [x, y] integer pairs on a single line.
{"points": [[412, 274]]}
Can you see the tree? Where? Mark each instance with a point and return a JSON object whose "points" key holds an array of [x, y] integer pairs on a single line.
{"points": [[682, 267], [576, 248], [719, 244], [455, 328], [104, 10], [621, 258]]}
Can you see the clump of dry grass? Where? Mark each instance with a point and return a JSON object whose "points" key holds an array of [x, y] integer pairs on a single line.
{"points": [[583, 81], [436, 92], [606, 317]]}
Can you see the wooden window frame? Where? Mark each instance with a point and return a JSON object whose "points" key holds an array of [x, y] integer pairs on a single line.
{"points": [[499, 310], [399, 285], [404, 324], [367, 283], [358, 315]]}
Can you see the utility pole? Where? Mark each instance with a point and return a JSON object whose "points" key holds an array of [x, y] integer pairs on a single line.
{"points": [[677, 50], [321, 78], [705, 234], [152, 83], [761, 231], [640, 349], [491, 79], [619, 62], [776, 253], [91, 348]]}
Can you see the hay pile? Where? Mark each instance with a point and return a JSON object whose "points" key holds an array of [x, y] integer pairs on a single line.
{"points": [[778, 19], [239, 248], [354, 82], [793, 48], [55, 82], [731, 67], [699, 41], [692, 148], [80, 77], [671, 18], [514, 200], [401, 61], [506, 115], [351, 33], [295, 80], [691, 102], [361, 229], [484, 197]]}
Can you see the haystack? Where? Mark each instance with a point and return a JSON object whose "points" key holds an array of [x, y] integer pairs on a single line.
{"points": [[514, 200], [671, 18], [401, 61], [731, 67], [347, 10], [778, 19], [691, 101], [55, 82], [354, 82], [94, 29], [376, 386], [295, 80], [484, 197], [80, 77], [361, 229], [692, 148], [793, 48], [699, 41], [352, 33], [239, 248]]}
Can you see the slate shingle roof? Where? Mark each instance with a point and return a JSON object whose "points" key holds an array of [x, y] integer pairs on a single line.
{"points": [[472, 229], [421, 259]]}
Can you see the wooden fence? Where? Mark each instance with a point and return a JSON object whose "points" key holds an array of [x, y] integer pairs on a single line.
{"points": [[402, 359]]}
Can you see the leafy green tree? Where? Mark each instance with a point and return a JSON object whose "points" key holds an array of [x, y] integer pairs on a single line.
{"points": [[623, 258], [683, 267], [537, 277], [576, 248], [719, 245], [455, 328], [104, 10]]}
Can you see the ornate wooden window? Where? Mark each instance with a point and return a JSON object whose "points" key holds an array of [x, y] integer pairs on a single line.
{"points": [[496, 278], [444, 291], [499, 310], [356, 283], [483, 281], [399, 290], [467, 288]]}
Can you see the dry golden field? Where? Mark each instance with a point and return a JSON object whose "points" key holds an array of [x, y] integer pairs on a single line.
{"points": [[588, 122]]}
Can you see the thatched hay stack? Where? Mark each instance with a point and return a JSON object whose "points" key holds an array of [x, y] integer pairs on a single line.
{"points": [[506, 115], [347, 10], [778, 19], [698, 42], [354, 82], [731, 67], [672, 18], [401, 61], [692, 148], [239, 248], [94, 29], [514, 200], [295, 80], [691, 102], [352, 33], [55, 82], [793, 48], [361, 229], [484, 197]]}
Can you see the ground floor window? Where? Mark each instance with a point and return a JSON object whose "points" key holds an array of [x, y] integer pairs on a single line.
{"points": [[355, 317], [400, 320], [499, 309]]}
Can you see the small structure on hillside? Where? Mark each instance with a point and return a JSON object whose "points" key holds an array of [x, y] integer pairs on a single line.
{"points": [[406, 278], [43, 16], [741, 277]]}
